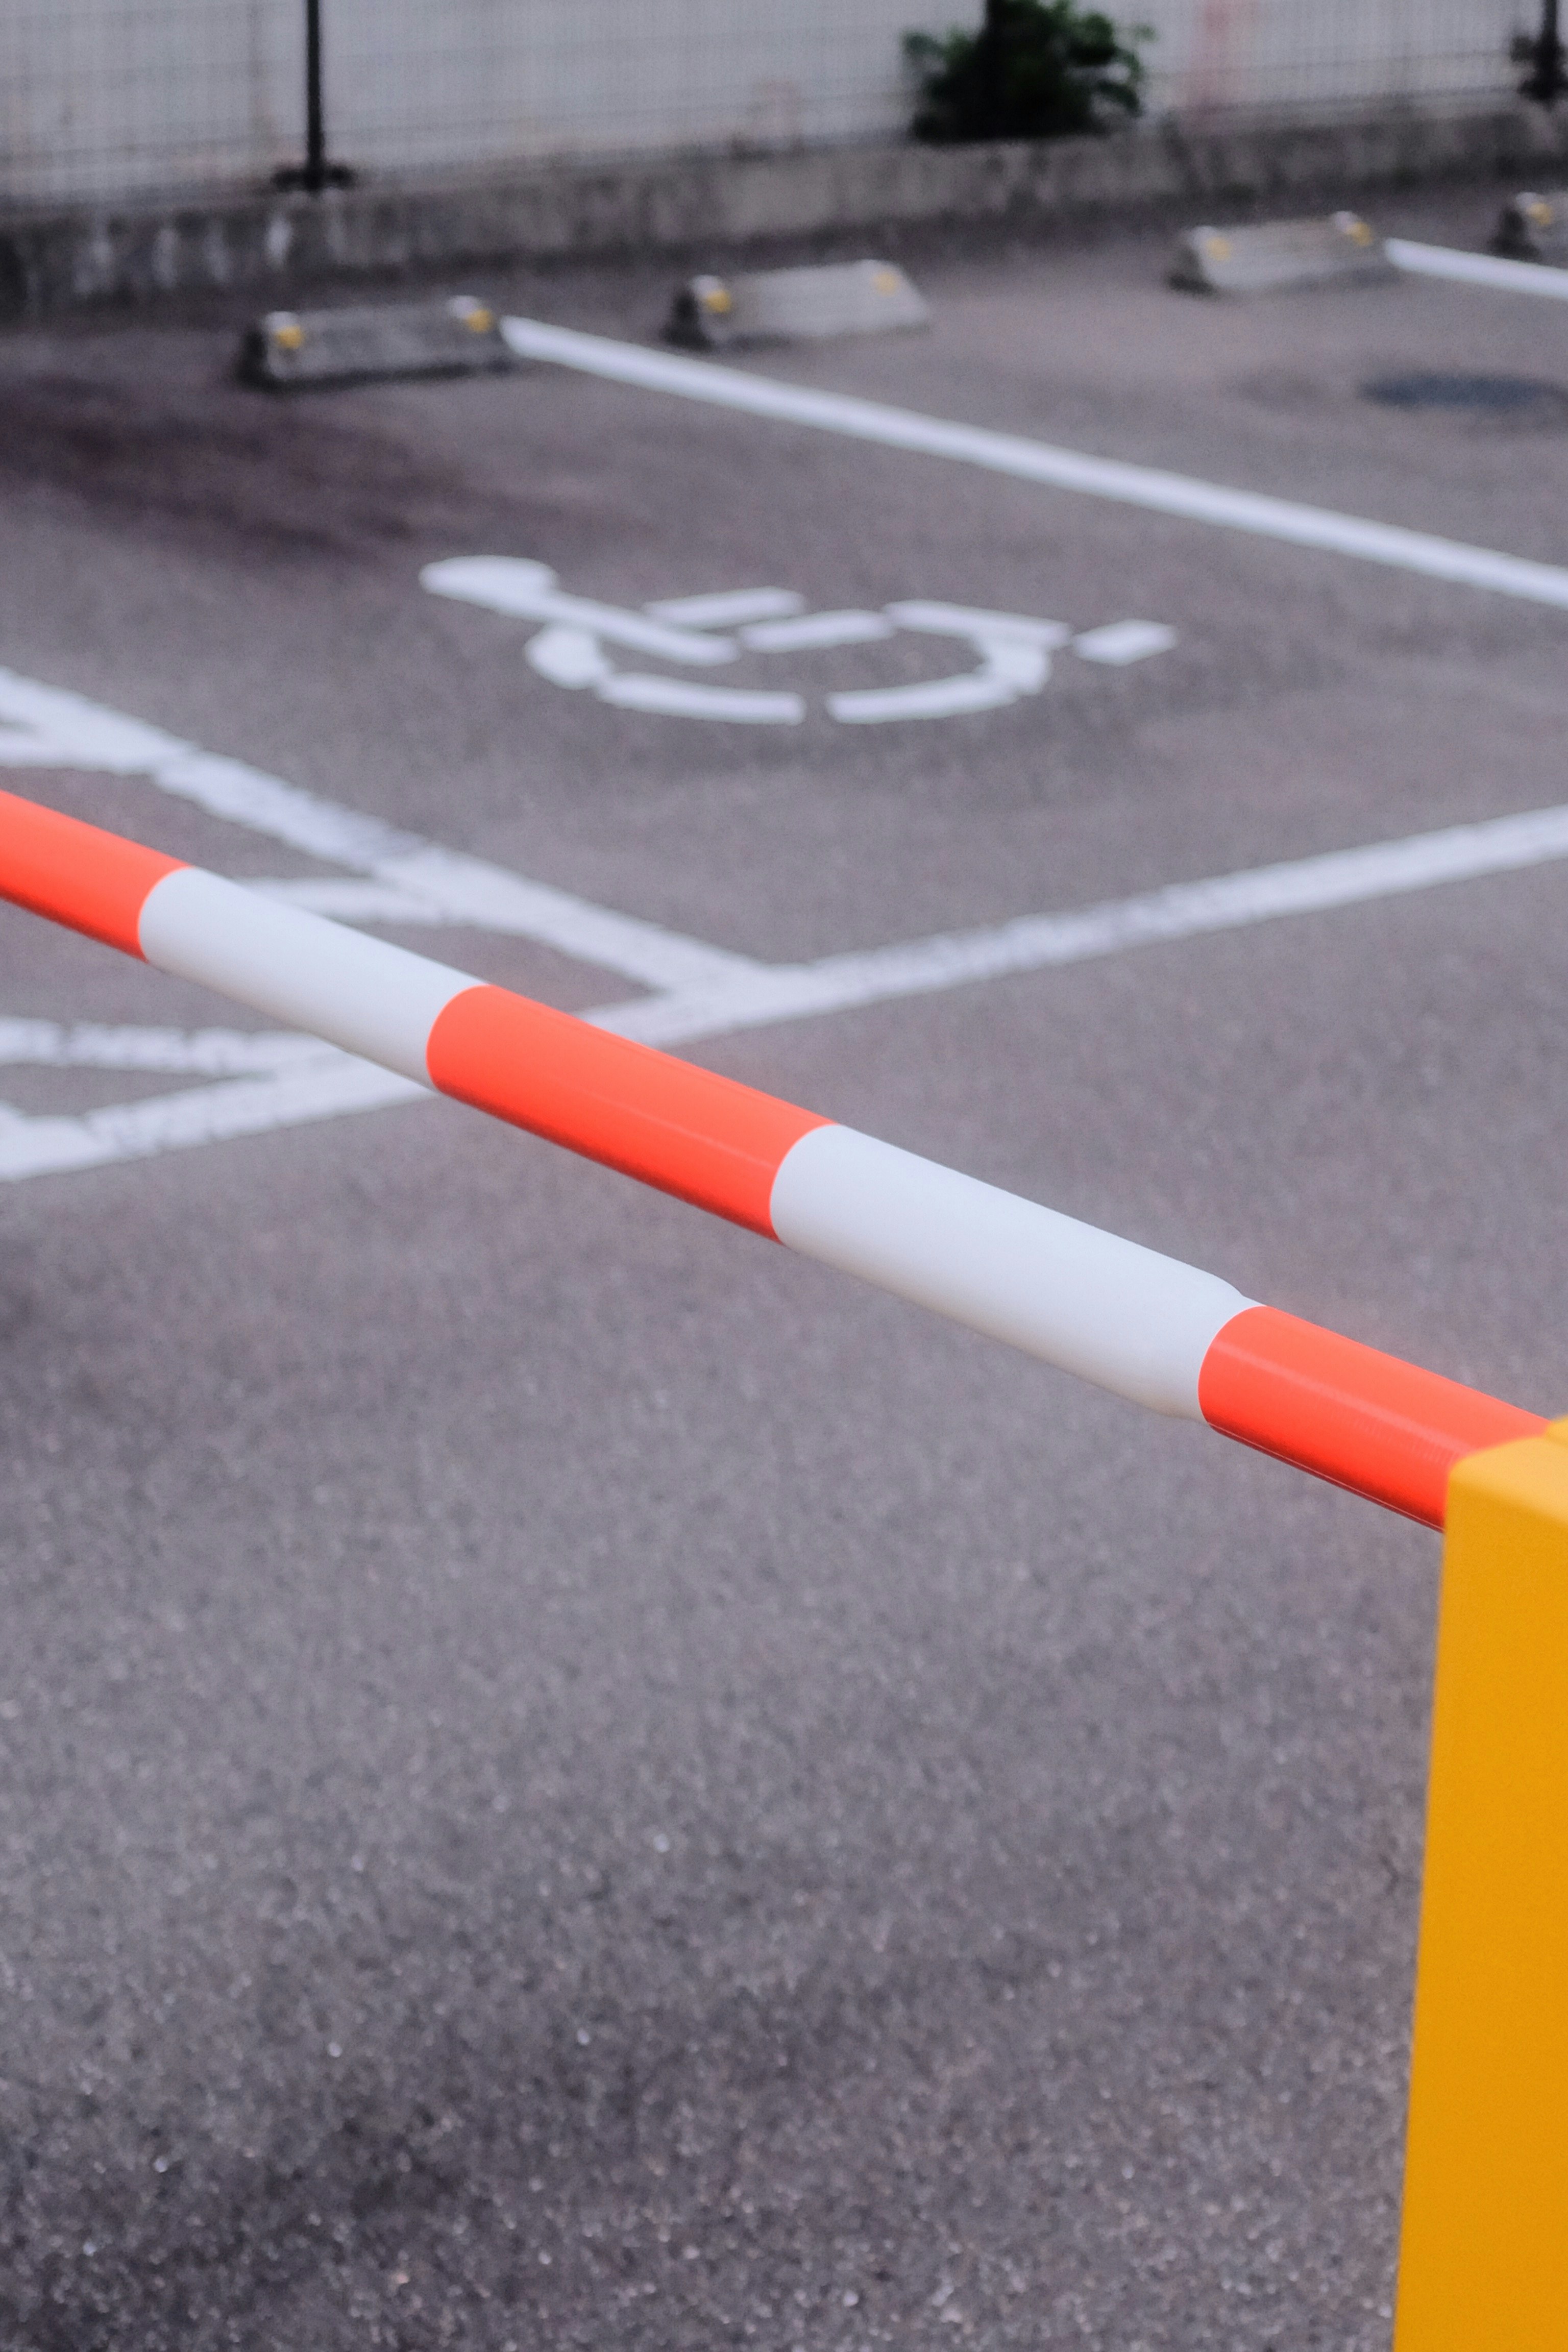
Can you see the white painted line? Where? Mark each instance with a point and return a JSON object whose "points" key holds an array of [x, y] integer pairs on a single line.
{"points": [[1478, 269], [728, 608], [1121, 642], [1344, 877], [284, 1080], [468, 891], [45, 727], [984, 628], [526, 591], [936, 698], [288, 1080], [1025, 668], [200, 1052], [324, 1085], [570, 657], [1037, 461], [1015, 648], [816, 631], [314, 1081], [349, 901], [678, 697]]}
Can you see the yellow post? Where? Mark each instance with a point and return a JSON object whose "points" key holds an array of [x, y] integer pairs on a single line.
{"points": [[1484, 2264]]}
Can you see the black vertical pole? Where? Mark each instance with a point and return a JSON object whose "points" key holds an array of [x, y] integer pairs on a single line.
{"points": [[315, 114], [1547, 80], [315, 173]]}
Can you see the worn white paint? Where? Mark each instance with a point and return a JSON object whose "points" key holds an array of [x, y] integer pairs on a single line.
{"points": [[1181, 911], [987, 688], [982, 627], [816, 632], [326, 1085], [265, 1081], [269, 1081], [681, 697], [728, 607], [1121, 642], [1015, 648], [183, 1053], [47, 727], [526, 591], [1151, 487]]}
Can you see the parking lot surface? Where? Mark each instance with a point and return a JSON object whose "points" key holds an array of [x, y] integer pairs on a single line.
{"points": [[570, 1779]]}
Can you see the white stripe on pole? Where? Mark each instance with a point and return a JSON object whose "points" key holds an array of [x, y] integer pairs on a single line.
{"points": [[1126, 1318], [1479, 268], [1123, 1316], [360, 993], [1039, 461]]}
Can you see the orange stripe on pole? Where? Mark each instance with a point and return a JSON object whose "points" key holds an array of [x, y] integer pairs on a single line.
{"points": [[1365, 1421], [1360, 1419], [706, 1139], [90, 881]]}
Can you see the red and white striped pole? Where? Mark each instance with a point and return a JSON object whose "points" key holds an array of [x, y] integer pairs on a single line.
{"points": [[1146, 1327]]}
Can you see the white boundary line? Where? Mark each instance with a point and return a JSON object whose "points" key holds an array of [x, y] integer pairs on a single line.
{"points": [[186, 1052], [271, 1080], [1478, 269], [1182, 910], [1039, 461], [44, 727], [325, 1086], [276, 1082]]}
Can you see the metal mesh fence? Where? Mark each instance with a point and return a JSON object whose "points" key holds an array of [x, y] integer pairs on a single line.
{"points": [[108, 97], [1286, 53]]}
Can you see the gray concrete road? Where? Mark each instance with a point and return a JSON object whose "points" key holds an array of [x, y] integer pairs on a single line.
{"points": [[569, 1780]]}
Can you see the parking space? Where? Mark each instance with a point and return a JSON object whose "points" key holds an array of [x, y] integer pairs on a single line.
{"points": [[571, 1779]]}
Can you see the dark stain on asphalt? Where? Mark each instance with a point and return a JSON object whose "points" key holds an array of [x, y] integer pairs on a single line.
{"points": [[223, 464]]}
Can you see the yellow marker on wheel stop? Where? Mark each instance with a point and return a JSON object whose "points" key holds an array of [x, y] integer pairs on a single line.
{"points": [[1484, 2262]]}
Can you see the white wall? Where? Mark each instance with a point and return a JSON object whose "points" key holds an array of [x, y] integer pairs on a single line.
{"points": [[103, 97], [547, 77], [1270, 52]]}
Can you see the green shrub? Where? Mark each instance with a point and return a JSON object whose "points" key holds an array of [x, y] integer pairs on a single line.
{"points": [[1035, 70]]}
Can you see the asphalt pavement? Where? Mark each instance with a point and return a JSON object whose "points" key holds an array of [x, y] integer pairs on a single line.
{"points": [[571, 1779]]}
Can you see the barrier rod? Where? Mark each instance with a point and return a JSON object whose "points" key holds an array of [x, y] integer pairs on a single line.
{"points": [[1145, 1327], [1484, 2257]]}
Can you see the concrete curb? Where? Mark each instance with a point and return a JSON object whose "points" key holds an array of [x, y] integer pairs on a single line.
{"points": [[53, 260]]}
